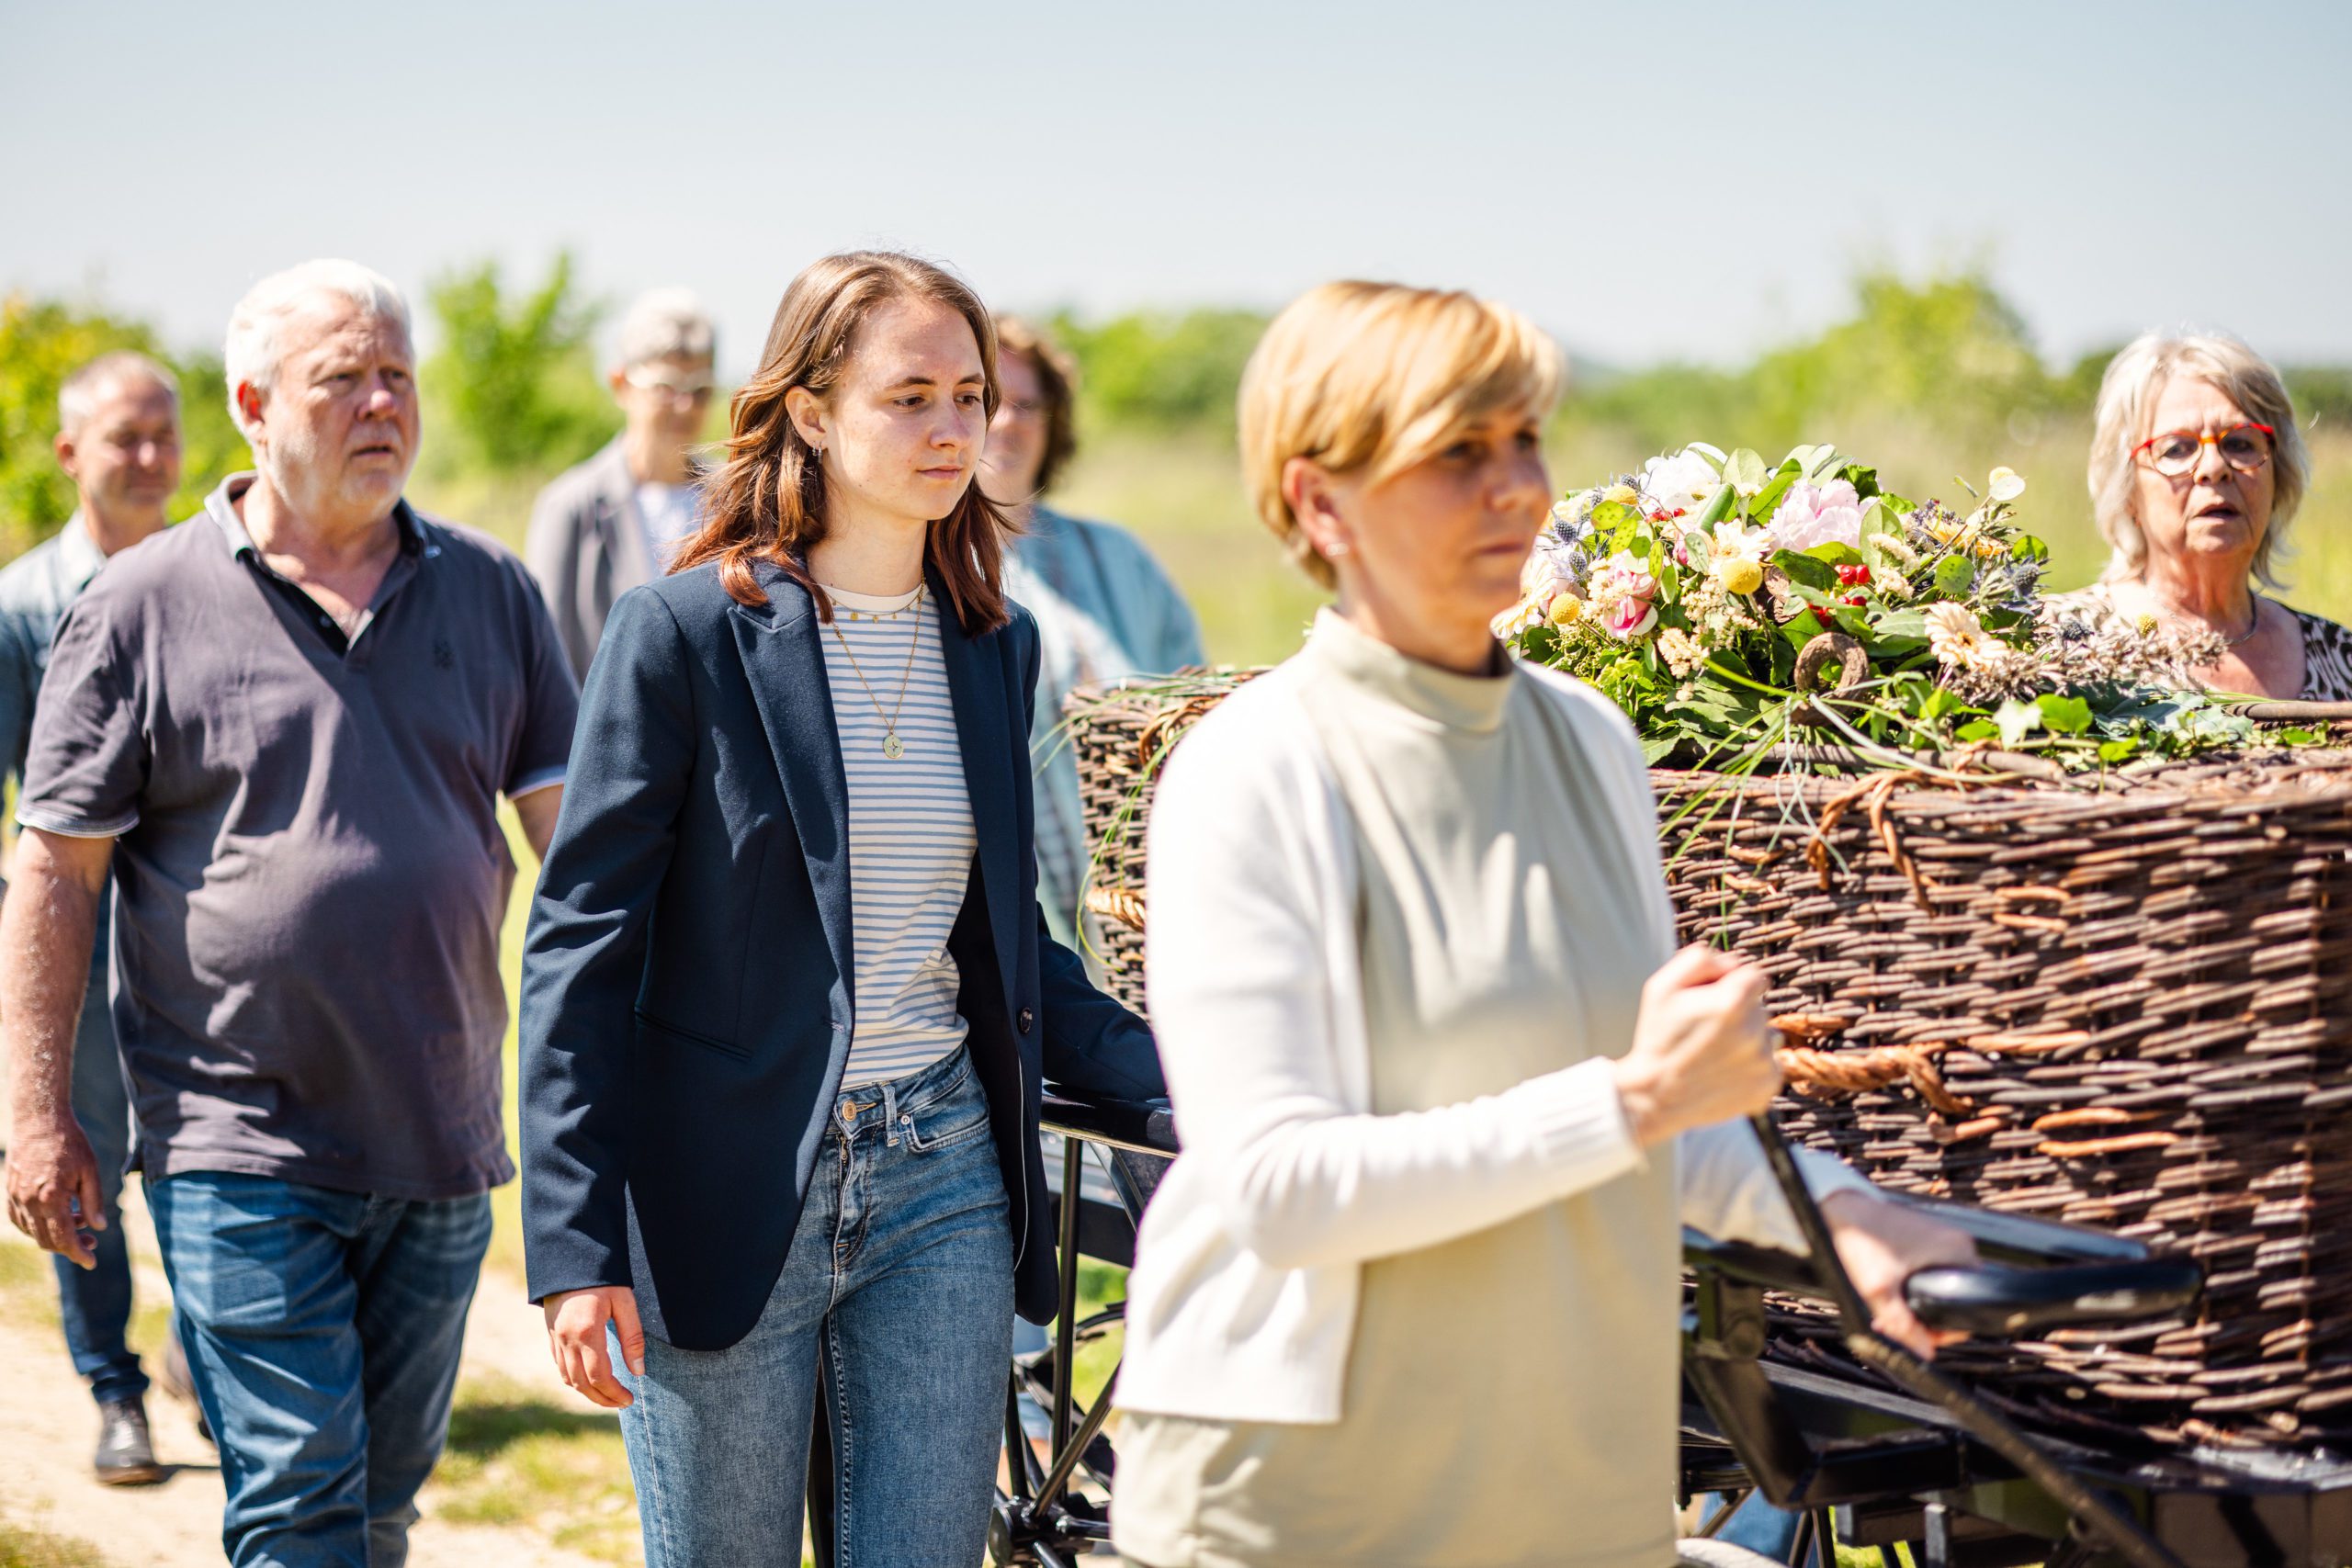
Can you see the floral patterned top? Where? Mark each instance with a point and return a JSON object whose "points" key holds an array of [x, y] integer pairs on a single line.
{"points": [[2327, 646]]}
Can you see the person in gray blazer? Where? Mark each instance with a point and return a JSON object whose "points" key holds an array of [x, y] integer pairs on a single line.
{"points": [[614, 521]]}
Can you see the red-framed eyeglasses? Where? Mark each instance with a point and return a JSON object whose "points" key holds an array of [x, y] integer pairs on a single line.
{"points": [[2244, 447]]}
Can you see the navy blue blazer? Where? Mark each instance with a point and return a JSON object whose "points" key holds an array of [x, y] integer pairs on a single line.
{"points": [[687, 1000]]}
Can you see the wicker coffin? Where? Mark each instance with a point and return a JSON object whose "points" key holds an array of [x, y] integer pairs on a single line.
{"points": [[2125, 1006]]}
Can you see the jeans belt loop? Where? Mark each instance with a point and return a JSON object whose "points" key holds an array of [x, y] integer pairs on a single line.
{"points": [[889, 1117]]}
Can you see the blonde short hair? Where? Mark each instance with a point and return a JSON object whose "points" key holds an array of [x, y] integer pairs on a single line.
{"points": [[2127, 401], [1376, 377]]}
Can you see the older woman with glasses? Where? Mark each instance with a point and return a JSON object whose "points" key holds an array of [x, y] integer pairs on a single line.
{"points": [[2196, 470]]}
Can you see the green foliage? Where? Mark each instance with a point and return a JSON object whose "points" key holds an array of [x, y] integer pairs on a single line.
{"points": [[42, 343], [1949, 354], [1162, 371], [513, 388], [2322, 394]]}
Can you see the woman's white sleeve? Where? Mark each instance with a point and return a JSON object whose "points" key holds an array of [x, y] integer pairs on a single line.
{"points": [[1728, 1190], [1242, 1001]]}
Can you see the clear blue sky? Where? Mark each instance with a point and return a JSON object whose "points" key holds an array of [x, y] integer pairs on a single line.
{"points": [[1648, 180]]}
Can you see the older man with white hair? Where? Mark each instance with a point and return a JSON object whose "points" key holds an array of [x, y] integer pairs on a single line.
{"points": [[285, 725], [613, 522]]}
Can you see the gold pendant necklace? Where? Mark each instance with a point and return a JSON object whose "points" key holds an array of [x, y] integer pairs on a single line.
{"points": [[892, 747]]}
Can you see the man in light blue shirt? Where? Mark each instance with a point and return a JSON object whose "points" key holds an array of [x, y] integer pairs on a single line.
{"points": [[600, 529], [118, 439]]}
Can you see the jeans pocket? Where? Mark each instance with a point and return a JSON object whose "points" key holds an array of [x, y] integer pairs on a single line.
{"points": [[955, 1117]]}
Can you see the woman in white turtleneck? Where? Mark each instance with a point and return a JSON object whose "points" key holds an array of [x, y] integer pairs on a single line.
{"points": [[1446, 1090]]}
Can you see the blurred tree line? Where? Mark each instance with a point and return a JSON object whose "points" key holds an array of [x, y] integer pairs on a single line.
{"points": [[513, 393]]}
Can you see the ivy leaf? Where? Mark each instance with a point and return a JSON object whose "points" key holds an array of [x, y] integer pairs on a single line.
{"points": [[1977, 729], [2016, 720], [2113, 752], [2063, 716], [1654, 748], [1903, 626], [1807, 570]]}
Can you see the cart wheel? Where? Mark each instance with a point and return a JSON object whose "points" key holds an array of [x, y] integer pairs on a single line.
{"points": [[1695, 1552]]}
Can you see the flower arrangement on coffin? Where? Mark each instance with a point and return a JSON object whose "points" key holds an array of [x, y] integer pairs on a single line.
{"points": [[1721, 603]]}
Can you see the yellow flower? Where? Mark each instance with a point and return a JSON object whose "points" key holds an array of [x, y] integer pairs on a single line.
{"points": [[1622, 495], [1739, 574], [1565, 608]]}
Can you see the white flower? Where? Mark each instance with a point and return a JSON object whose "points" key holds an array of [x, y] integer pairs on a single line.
{"points": [[1893, 545], [1518, 619], [1682, 652], [2007, 484], [1829, 515], [1733, 538], [1684, 482], [1957, 636]]}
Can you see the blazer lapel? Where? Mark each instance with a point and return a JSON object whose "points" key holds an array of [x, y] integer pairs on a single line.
{"points": [[983, 735], [786, 667]]}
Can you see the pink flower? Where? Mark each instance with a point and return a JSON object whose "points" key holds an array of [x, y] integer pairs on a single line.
{"points": [[1620, 593], [1806, 516]]}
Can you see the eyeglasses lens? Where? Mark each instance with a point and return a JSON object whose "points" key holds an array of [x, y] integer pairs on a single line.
{"points": [[2243, 446]]}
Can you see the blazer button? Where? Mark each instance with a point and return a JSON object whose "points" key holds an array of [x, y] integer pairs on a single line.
{"points": [[1027, 1017]]}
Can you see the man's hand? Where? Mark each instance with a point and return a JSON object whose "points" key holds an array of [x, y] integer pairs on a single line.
{"points": [[1882, 1245], [50, 1170], [46, 927], [576, 1321]]}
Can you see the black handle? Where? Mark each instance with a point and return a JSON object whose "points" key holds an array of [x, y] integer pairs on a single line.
{"points": [[2001, 1302]]}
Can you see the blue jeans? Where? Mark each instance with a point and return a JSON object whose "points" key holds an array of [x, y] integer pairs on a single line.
{"points": [[900, 1277], [322, 1331], [94, 1305], [1757, 1525]]}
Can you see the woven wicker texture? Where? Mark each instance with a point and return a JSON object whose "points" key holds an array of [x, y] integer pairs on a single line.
{"points": [[2124, 1006]]}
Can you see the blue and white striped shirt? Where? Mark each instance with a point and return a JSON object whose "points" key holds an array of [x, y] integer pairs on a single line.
{"points": [[910, 836]]}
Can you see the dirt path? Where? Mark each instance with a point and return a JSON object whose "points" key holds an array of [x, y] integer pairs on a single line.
{"points": [[48, 1426]]}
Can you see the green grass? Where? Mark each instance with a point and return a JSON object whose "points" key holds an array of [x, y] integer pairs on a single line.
{"points": [[516, 1460], [22, 1546], [27, 1283]]}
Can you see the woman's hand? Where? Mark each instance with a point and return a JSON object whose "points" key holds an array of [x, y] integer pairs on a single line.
{"points": [[1702, 1050], [576, 1321], [1882, 1245]]}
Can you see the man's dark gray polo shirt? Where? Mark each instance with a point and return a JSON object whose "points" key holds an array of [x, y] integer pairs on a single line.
{"points": [[309, 872]]}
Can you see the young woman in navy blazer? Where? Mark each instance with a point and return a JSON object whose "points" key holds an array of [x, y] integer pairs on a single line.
{"points": [[775, 1112]]}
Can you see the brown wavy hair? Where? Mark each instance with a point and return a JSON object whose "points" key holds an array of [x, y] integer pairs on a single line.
{"points": [[1058, 378], [767, 499]]}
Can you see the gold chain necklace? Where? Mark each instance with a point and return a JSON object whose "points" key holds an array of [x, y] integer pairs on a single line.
{"points": [[892, 747]]}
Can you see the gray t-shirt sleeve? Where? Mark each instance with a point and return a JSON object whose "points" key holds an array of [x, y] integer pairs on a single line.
{"points": [[552, 705], [87, 764]]}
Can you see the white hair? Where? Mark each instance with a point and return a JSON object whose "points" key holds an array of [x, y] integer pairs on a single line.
{"points": [[2127, 400], [662, 322], [78, 395], [254, 348]]}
